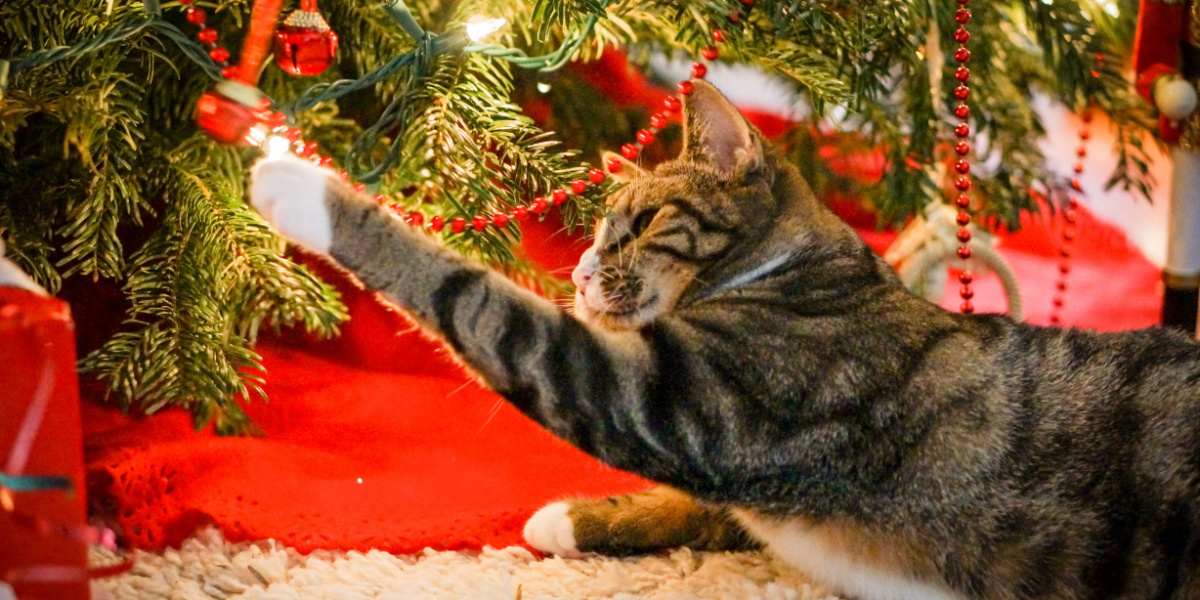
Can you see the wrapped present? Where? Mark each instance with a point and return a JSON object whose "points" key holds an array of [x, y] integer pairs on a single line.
{"points": [[42, 511]]}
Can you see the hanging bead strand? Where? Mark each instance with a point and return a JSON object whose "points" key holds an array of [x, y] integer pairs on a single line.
{"points": [[672, 105], [962, 148], [1070, 217]]}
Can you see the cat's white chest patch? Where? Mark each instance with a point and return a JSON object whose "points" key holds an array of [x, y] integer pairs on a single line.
{"points": [[825, 558]]}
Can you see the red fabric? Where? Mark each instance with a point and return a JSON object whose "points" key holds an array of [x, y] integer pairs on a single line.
{"points": [[1157, 51], [1157, 43], [443, 463], [35, 331]]}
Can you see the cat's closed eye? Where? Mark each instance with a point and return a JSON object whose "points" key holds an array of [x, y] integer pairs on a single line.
{"points": [[643, 220]]}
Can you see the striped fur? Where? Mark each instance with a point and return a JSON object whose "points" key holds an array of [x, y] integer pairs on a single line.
{"points": [[889, 447]]}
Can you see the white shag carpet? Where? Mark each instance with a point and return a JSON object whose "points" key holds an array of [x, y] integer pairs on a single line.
{"points": [[208, 567]]}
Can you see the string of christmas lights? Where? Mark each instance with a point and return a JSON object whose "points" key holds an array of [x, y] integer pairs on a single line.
{"points": [[276, 139]]}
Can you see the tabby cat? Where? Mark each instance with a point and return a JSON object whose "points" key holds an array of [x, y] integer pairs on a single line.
{"points": [[734, 340]]}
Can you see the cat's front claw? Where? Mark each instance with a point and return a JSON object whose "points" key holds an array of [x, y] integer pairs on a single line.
{"points": [[290, 194], [551, 530]]}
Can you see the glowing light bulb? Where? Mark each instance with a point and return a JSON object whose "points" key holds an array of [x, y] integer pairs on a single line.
{"points": [[1110, 7], [257, 135], [479, 28], [277, 146]]}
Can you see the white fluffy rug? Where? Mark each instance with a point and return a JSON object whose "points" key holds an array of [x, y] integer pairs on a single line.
{"points": [[208, 567]]}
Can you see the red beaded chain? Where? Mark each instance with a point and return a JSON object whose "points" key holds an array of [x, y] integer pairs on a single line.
{"points": [[539, 205], [208, 37], [1070, 214], [1070, 217], [962, 166]]}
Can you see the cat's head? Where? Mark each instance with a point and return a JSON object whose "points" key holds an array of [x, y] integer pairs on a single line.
{"points": [[665, 230]]}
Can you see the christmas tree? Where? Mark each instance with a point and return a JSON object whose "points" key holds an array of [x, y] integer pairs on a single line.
{"points": [[105, 175]]}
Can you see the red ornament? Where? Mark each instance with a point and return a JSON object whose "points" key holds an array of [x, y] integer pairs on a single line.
{"points": [[967, 308], [718, 36], [699, 70], [578, 187], [964, 234], [962, 130], [964, 252], [629, 151], [304, 44], [219, 55], [962, 111], [962, 15], [962, 167], [962, 92], [962, 148], [500, 220], [962, 201], [539, 205], [478, 223], [415, 218], [614, 166], [672, 104], [658, 120], [437, 223], [709, 53], [966, 278], [645, 137], [963, 218], [685, 87], [961, 35], [458, 224], [559, 196], [228, 111], [962, 183], [962, 74], [521, 213], [966, 293], [230, 72], [962, 55], [596, 176]]}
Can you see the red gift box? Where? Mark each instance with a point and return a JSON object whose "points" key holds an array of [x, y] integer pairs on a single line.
{"points": [[38, 558]]}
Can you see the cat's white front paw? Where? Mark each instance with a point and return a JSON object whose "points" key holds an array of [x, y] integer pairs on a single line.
{"points": [[290, 193], [551, 530]]}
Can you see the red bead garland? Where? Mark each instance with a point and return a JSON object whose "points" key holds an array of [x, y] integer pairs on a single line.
{"points": [[1069, 218], [671, 105], [962, 148]]}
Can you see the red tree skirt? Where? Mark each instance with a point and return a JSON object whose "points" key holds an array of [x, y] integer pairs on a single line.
{"points": [[443, 463]]}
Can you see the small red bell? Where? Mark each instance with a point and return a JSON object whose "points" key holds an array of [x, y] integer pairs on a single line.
{"points": [[304, 44], [230, 110]]}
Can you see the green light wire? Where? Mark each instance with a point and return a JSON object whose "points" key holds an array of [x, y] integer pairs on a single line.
{"points": [[414, 62]]}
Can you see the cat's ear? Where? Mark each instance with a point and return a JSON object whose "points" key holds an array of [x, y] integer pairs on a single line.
{"points": [[716, 133], [629, 169]]}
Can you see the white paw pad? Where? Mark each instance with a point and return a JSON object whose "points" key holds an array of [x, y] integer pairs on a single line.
{"points": [[550, 530], [290, 194]]}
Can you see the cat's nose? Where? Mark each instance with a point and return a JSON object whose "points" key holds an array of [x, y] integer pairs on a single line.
{"points": [[582, 275], [589, 263]]}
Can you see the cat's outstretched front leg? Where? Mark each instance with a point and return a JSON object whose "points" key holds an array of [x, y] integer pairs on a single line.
{"points": [[581, 382]]}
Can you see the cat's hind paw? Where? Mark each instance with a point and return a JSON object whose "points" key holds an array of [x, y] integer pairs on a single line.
{"points": [[551, 530], [290, 194]]}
